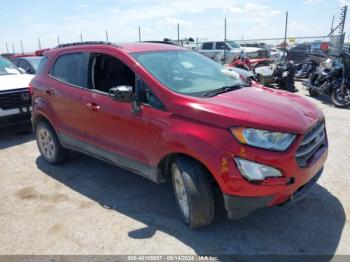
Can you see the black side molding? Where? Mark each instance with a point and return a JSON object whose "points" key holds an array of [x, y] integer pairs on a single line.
{"points": [[149, 172]]}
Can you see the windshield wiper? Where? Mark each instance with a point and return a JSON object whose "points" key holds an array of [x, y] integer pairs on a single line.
{"points": [[224, 89]]}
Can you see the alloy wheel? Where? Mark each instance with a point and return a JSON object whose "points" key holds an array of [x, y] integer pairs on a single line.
{"points": [[46, 143], [180, 191]]}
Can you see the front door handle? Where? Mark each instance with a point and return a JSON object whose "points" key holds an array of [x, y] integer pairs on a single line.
{"points": [[94, 107]]}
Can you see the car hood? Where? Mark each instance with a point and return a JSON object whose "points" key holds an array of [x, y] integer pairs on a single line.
{"points": [[9, 82], [256, 107]]}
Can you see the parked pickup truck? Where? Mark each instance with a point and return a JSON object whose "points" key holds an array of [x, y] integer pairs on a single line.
{"points": [[170, 114], [226, 51], [15, 102]]}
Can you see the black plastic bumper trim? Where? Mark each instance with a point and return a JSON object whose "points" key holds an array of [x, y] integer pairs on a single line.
{"points": [[238, 207]]}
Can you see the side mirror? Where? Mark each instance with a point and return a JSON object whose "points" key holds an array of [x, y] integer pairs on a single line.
{"points": [[121, 93]]}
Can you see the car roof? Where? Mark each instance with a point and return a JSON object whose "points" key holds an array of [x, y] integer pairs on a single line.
{"points": [[126, 47]]}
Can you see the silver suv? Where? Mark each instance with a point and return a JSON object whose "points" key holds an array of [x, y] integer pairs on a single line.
{"points": [[226, 50]]}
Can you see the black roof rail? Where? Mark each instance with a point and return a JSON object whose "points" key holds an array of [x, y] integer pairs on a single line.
{"points": [[87, 43], [159, 42]]}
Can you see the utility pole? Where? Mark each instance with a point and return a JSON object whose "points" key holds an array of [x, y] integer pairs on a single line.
{"points": [[13, 48], [139, 34], [81, 37], [107, 36], [7, 47], [22, 48], [285, 34], [225, 31], [225, 39], [332, 25], [58, 39], [39, 43], [178, 33]]}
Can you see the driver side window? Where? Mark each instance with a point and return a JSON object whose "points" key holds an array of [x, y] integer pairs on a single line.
{"points": [[106, 71]]}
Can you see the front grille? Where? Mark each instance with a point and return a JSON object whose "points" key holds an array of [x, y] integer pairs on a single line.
{"points": [[311, 143], [15, 99]]}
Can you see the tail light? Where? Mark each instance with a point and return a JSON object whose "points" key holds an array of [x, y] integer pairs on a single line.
{"points": [[30, 87]]}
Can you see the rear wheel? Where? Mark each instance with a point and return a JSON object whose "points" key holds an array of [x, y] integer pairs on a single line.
{"points": [[341, 97], [192, 192], [313, 93], [49, 146]]}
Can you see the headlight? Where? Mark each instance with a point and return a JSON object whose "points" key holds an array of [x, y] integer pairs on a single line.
{"points": [[254, 171], [263, 139]]}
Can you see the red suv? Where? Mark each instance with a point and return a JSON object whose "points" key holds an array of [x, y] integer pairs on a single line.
{"points": [[168, 113]]}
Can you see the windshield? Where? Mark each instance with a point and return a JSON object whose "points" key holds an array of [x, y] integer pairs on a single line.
{"points": [[34, 61], [7, 68], [233, 44], [186, 72]]}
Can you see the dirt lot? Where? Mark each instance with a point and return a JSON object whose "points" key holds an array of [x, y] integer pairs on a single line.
{"points": [[86, 206]]}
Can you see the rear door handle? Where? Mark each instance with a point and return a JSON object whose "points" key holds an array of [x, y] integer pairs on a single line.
{"points": [[94, 107], [50, 91]]}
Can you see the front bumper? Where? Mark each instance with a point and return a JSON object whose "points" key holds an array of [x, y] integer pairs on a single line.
{"points": [[242, 196], [238, 207], [15, 120]]}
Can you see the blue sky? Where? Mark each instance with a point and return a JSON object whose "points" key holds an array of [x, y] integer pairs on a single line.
{"points": [[29, 20]]}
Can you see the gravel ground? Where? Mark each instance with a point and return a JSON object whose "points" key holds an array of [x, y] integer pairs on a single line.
{"points": [[86, 206]]}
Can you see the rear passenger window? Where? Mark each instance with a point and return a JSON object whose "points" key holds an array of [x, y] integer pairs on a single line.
{"points": [[207, 46], [42, 65], [67, 68]]}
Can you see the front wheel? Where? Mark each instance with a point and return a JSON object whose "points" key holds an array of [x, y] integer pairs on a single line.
{"points": [[260, 79], [340, 97], [192, 192]]}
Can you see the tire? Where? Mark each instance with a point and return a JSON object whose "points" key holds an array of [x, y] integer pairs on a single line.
{"points": [[313, 93], [336, 99], [193, 192], [49, 146], [260, 79]]}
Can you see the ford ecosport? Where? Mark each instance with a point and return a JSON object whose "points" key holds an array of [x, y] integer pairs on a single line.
{"points": [[168, 113]]}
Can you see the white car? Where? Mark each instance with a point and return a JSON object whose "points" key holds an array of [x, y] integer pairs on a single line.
{"points": [[220, 50], [276, 54], [15, 101]]}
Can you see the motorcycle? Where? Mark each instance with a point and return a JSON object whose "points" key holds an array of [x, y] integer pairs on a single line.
{"points": [[332, 78], [283, 76], [305, 69], [250, 64], [340, 95], [257, 66]]}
